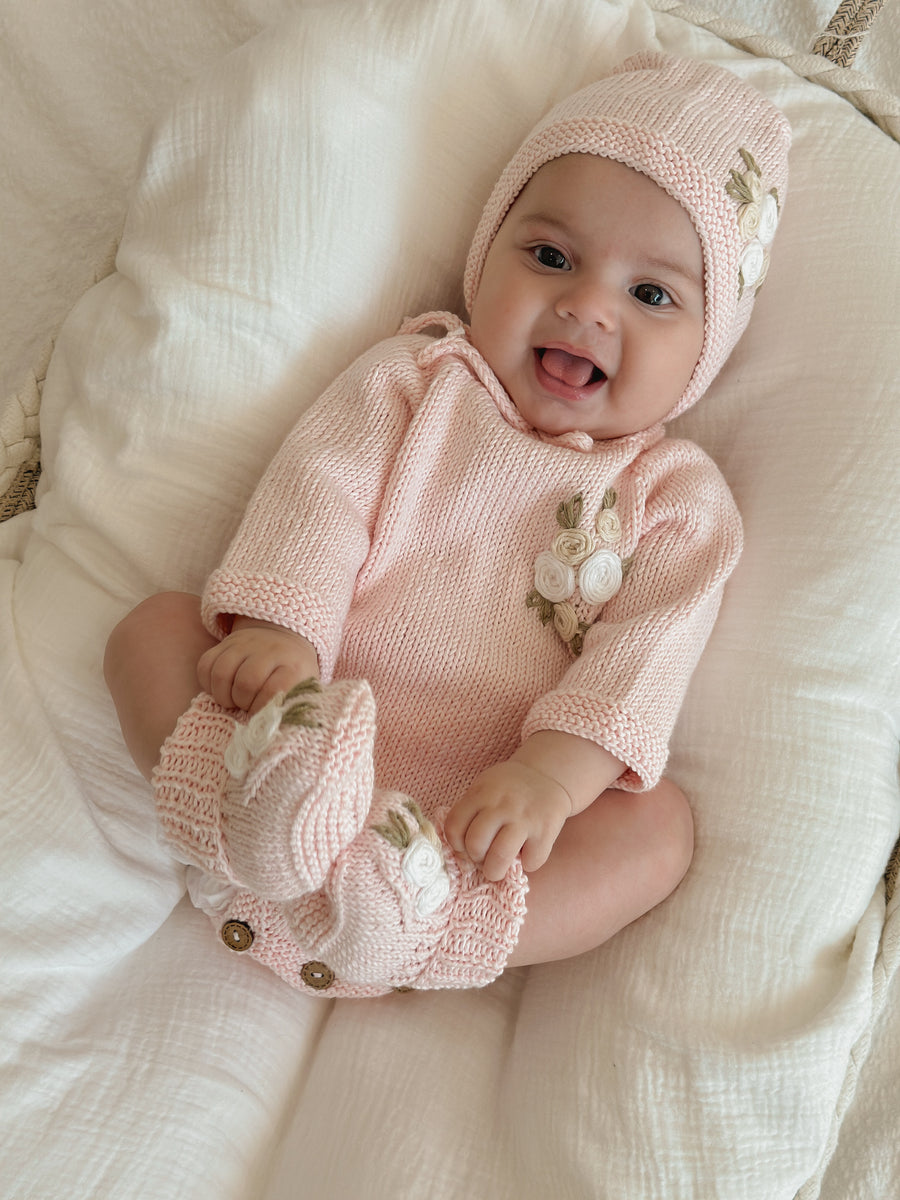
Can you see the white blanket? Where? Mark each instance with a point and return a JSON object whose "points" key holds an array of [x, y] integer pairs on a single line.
{"points": [[291, 204]]}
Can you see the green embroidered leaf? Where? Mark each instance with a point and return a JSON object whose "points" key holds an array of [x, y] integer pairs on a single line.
{"points": [[534, 599], [396, 831], [569, 512], [577, 642], [627, 564], [304, 686], [738, 189], [609, 498], [300, 714], [750, 162], [428, 830], [417, 814]]}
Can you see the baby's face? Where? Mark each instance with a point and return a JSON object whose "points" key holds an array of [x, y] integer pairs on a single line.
{"points": [[590, 306]]}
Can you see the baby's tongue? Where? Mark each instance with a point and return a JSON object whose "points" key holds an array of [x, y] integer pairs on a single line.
{"points": [[567, 368]]}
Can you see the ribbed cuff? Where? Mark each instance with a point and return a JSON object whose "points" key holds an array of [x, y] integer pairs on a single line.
{"points": [[482, 932], [189, 782]]}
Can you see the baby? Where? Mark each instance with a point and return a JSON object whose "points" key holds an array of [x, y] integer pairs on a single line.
{"points": [[484, 533]]}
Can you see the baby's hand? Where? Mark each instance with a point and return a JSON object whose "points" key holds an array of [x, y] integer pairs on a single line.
{"points": [[510, 809], [255, 662]]}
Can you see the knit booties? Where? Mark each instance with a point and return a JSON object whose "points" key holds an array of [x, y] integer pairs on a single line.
{"points": [[396, 913], [269, 802]]}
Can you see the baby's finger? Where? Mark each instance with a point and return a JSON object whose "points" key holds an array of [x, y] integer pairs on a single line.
{"points": [[279, 682], [502, 852], [249, 678], [456, 823], [536, 851], [215, 674], [480, 833], [204, 668]]}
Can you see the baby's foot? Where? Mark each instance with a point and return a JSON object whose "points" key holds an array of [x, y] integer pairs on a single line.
{"points": [[397, 912], [300, 786]]}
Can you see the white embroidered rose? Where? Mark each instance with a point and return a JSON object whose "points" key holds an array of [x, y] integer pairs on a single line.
{"points": [[555, 580], [253, 739], [600, 577], [565, 620], [748, 221], [753, 263], [237, 757], [572, 546], [260, 730], [757, 218], [422, 865], [432, 896], [768, 219], [422, 862], [609, 527]]}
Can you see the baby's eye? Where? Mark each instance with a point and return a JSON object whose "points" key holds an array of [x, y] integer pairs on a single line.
{"points": [[652, 294], [549, 256]]}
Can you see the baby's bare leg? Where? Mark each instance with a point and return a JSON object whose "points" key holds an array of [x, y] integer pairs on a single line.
{"points": [[151, 670], [611, 864]]}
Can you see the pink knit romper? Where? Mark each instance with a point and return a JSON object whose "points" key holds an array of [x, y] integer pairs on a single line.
{"points": [[403, 527]]}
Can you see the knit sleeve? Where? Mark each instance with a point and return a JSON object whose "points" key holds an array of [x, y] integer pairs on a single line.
{"points": [[625, 690], [308, 527]]}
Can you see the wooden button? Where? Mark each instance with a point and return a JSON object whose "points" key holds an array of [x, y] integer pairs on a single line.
{"points": [[316, 975], [237, 935]]}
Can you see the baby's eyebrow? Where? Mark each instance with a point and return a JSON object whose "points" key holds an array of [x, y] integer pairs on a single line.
{"points": [[540, 218], [655, 263]]}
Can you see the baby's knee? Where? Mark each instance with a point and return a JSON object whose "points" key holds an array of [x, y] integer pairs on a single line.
{"points": [[118, 647], [669, 829], [150, 620]]}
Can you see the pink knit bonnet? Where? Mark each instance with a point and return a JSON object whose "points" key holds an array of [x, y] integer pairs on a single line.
{"points": [[710, 140]]}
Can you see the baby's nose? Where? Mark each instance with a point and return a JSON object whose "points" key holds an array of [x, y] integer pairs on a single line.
{"points": [[588, 302]]}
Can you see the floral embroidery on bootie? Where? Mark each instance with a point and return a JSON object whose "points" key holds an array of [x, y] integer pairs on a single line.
{"points": [[757, 221], [422, 864], [578, 558], [250, 741], [301, 779]]}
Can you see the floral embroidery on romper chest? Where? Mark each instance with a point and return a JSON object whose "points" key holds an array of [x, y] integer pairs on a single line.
{"points": [[579, 559]]}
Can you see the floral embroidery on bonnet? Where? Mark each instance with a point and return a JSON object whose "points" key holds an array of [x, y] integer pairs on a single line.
{"points": [[757, 221]]}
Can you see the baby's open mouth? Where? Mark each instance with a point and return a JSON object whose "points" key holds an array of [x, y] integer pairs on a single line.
{"points": [[570, 369]]}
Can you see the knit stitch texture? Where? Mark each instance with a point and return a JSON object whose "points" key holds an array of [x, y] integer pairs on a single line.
{"points": [[684, 123], [398, 529]]}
